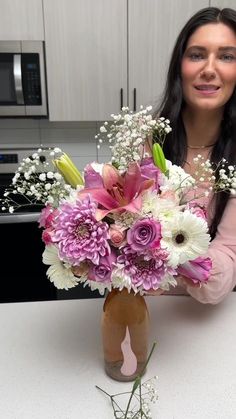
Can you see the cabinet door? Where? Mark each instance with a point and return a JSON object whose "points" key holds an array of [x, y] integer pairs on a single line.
{"points": [[153, 28], [224, 3], [21, 20], [86, 54]]}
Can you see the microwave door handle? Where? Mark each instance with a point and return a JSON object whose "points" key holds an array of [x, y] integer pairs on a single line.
{"points": [[18, 79]]}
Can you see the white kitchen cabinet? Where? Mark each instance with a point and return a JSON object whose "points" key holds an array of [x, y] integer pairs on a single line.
{"points": [[86, 55], [153, 28], [21, 20], [223, 3], [96, 50]]}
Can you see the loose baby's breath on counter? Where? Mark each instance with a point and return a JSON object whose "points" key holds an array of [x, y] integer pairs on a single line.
{"points": [[138, 405]]}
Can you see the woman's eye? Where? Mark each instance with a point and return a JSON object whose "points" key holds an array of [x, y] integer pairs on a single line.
{"points": [[195, 56], [228, 57]]}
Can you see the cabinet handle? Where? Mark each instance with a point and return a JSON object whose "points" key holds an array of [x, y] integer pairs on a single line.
{"points": [[121, 98], [135, 98]]}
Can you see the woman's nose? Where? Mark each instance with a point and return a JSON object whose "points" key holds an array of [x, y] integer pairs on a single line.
{"points": [[209, 71], [208, 74]]}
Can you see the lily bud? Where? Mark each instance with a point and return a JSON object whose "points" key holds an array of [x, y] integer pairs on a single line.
{"points": [[68, 170], [159, 157]]}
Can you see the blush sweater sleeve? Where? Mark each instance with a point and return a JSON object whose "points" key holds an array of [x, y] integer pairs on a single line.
{"points": [[222, 251]]}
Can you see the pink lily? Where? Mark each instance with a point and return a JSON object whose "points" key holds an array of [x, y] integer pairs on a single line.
{"points": [[119, 192]]}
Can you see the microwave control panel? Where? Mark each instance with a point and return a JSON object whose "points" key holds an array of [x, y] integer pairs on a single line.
{"points": [[31, 79]]}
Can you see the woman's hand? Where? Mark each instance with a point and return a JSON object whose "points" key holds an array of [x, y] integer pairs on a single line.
{"points": [[185, 282], [155, 292]]}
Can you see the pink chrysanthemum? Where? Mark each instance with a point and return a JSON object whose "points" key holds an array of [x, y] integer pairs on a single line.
{"points": [[144, 271], [78, 234]]}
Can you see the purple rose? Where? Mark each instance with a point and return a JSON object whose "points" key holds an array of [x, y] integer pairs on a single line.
{"points": [[102, 272], [150, 171], [145, 234]]}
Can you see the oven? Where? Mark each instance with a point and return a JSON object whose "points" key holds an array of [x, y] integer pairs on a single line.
{"points": [[23, 274]]}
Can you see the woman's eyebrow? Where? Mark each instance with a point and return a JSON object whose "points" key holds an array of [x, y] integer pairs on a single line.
{"points": [[201, 48], [228, 48]]}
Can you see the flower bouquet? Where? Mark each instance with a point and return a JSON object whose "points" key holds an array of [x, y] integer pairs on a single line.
{"points": [[123, 224], [129, 224]]}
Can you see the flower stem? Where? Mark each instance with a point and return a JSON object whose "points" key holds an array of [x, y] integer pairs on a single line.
{"points": [[149, 356], [113, 402], [99, 388], [138, 380]]}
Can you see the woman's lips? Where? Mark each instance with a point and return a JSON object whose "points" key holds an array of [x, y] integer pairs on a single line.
{"points": [[208, 89]]}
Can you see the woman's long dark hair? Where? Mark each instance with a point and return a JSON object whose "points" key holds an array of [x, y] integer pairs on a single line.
{"points": [[175, 146]]}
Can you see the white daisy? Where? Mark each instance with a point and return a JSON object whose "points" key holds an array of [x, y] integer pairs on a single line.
{"points": [[185, 237], [98, 286], [59, 273], [158, 207], [73, 194], [177, 180], [119, 279], [167, 281]]}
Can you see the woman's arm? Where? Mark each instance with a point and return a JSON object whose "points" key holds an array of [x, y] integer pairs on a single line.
{"points": [[222, 251]]}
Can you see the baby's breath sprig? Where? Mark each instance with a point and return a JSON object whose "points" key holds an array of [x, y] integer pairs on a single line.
{"points": [[35, 184], [160, 133], [128, 134], [220, 176], [140, 397]]}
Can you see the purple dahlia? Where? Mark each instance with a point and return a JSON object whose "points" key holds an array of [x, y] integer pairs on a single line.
{"points": [[144, 271], [78, 234]]}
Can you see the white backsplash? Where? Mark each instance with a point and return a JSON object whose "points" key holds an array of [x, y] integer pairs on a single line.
{"points": [[75, 138]]}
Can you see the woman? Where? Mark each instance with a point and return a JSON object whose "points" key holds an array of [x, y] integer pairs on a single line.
{"points": [[200, 102]]}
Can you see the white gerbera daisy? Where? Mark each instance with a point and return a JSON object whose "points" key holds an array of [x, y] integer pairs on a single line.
{"points": [[185, 237], [59, 272]]}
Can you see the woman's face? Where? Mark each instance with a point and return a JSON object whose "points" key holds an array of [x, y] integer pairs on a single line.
{"points": [[208, 67]]}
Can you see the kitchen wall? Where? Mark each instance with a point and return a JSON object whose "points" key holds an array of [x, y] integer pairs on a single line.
{"points": [[75, 138]]}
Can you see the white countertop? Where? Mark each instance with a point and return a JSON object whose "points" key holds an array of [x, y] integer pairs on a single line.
{"points": [[51, 359]]}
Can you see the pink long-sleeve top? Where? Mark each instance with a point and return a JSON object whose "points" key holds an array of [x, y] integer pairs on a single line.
{"points": [[222, 249]]}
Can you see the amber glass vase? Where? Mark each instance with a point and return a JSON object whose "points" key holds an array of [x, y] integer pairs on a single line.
{"points": [[125, 334]]}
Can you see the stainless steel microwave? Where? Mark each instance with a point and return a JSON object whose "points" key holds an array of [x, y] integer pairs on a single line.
{"points": [[22, 79]]}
